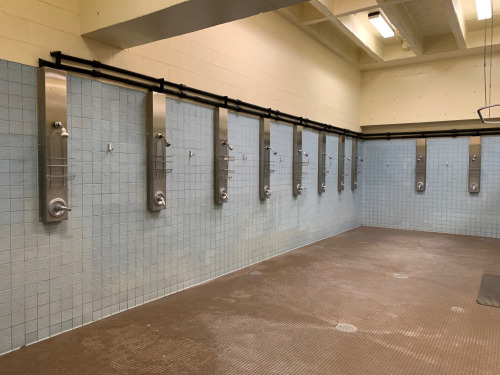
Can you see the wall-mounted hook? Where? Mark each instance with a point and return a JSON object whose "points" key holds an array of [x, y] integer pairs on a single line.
{"points": [[110, 147], [303, 153], [329, 156], [244, 157], [191, 153]]}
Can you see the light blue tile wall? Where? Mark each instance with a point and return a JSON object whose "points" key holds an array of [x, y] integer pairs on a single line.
{"points": [[388, 191], [112, 254]]}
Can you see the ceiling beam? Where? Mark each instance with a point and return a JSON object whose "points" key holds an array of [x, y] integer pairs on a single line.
{"points": [[455, 16], [400, 18], [125, 24], [325, 33], [352, 27]]}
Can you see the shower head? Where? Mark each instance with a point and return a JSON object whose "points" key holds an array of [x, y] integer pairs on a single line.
{"points": [[64, 133]]}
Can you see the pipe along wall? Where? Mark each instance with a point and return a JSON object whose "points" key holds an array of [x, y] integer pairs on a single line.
{"points": [[113, 254]]}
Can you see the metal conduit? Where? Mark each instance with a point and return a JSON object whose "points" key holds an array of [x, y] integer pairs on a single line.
{"points": [[208, 98]]}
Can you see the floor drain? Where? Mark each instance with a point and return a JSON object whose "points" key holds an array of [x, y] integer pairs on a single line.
{"points": [[400, 276], [255, 273], [344, 327]]}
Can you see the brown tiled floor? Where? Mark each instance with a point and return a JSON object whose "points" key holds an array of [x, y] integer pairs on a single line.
{"points": [[279, 316]]}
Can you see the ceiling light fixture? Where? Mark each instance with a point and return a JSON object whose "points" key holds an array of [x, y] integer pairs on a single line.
{"points": [[483, 8], [382, 26]]}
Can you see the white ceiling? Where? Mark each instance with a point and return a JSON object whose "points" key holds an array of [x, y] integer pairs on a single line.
{"points": [[425, 29]]}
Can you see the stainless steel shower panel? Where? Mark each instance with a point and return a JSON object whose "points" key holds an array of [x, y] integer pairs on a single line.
{"points": [[421, 165], [53, 166], [222, 174], [322, 162], [156, 144], [265, 159], [298, 162], [341, 163], [354, 164], [474, 164]]}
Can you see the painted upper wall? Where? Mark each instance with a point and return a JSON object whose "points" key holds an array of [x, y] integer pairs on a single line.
{"points": [[264, 59], [436, 91]]}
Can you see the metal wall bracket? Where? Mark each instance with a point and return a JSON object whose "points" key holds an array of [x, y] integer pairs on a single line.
{"points": [[341, 163], [474, 164], [156, 144], [354, 164], [322, 172], [265, 164], [222, 174], [298, 161], [421, 165], [53, 166]]}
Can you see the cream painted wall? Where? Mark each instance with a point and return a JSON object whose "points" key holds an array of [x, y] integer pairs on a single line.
{"points": [[263, 59], [436, 91]]}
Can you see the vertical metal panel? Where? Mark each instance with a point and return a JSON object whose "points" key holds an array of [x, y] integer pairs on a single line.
{"points": [[474, 164], [421, 165], [265, 159], [354, 164], [53, 166], [156, 143], [341, 162], [297, 174], [222, 174], [321, 162]]}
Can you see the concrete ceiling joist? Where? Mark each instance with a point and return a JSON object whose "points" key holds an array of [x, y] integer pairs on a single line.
{"points": [[324, 32], [455, 16], [341, 8], [403, 22], [351, 27]]}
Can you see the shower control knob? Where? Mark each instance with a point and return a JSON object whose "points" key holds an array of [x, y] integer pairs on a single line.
{"points": [[323, 188], [160, 199], [223, 195], [420, 185], [57, 207], [267, 192]]}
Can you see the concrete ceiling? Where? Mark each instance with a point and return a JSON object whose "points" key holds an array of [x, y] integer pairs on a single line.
{"points": [[425, 29]]}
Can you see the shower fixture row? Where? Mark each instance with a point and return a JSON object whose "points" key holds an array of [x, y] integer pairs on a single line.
{"points": [[53, 152], [474, 178], [300, 159]]}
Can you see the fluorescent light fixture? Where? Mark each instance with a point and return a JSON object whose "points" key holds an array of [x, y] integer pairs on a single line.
{"points": [[379, 22], [483, 8]]}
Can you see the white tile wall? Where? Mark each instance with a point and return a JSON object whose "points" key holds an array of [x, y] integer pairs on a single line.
{"points": [[112, 254]]}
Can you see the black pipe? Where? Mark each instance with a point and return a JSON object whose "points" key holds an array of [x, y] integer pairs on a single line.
{"points": [[241, 107], [208, 98]]}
